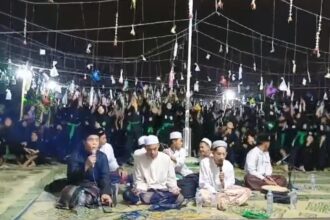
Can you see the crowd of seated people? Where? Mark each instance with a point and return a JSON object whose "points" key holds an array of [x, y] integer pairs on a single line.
{"points": [[96, 141]]}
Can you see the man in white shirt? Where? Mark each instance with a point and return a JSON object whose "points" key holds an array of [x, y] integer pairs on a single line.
{"points": [[217, 179], [178, 154], [258, 166], [116, 172], [205, 148], [154, 177]]}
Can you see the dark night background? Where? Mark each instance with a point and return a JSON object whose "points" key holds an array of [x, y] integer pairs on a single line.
{"points": [[72, 59]]}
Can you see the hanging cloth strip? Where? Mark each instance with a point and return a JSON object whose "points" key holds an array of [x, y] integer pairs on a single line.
{"points": [[72, 129]]}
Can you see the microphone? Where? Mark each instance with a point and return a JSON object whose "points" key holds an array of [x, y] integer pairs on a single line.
{"points": [[220, 165], [220, 169], [94, 154]]}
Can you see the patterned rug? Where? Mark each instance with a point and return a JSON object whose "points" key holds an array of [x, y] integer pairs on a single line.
{"points": [[22, 197]]}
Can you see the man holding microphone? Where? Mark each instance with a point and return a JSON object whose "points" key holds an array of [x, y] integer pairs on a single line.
{"points": [[88, 164], [217, 180]]}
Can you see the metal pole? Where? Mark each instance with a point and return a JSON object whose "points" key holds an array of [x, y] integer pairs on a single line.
{"points": [[22, 99], [187, 138]]}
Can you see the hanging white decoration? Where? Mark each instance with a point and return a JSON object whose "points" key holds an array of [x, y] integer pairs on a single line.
{"points": [[288, 91], [99, 94], [273, 26], [13, 80], [83, 92], [8, 94], [111, 95], [254, 66], [132, 30], [158, 78], [197, 69], [58, 88], [273, 47], [115, 42], [173, 29], [85, 76], [53, 70], [121, 79], [233, 77], [219, 4], [25, 30], [65, 98], [208, 56], [304, 81], [91, 96], [253, 5], [209, 79], [136, 81], [175, 50], [261, 110], [89, 66], [113, 81], [239, 87], [72, 87], [95, 99], [317, 40], [283, 87], [290, 11], [229, 74], [88, 49], [42, 52], [125, 87], [177, 83], [104, 100], [185, 65], [221, 48], [143, 58], [240, 71], [300, 107], [182, 78], [325, 96], [243, 100], [327, 76], [309, 76], [157, 94], [294, 66], [261, 86], [196, 86], [171, 78], [292, 93]]}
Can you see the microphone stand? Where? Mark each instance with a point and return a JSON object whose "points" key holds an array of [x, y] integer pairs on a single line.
{"points": [[290, 168]]}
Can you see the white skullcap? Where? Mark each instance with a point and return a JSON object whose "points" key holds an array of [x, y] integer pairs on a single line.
{"points": [[207, 141], [141, 140], [175, 135], [219, 143], [151, 139]]}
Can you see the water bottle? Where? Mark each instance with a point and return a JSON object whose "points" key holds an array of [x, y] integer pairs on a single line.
{"points": [[270, 201], [80, 208], [199, 201], [293, 199], [313, 182], [82, 198]]}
